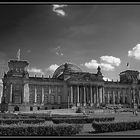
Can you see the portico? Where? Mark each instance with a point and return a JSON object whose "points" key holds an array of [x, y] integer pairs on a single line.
{"points": [[86, 95]]}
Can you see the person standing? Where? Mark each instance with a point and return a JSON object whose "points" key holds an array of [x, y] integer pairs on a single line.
{"points": [[136, 113]]}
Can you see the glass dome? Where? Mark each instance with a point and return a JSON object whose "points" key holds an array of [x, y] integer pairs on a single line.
{"points": [[70, 67]]}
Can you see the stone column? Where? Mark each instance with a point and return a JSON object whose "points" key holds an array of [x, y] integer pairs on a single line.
{"points": [[108, 97], [26, 93], [94, 94], [113, 97], [97, 96], [84, 96], [91, 96], [42, 95], [123, 96], [118, 96], [78, 99], [71, 89], [35, 95], [134, 98], [100, 95], [131, 97], [139, 96], [103, 95], [127, 96], [11, 93], [50, 89]]}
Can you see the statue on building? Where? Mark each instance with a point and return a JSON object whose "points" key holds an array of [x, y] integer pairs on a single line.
{"points": [[99, 71]]}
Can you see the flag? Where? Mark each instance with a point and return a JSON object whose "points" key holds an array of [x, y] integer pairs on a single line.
{"points": [[127, 64], [18, 55]]}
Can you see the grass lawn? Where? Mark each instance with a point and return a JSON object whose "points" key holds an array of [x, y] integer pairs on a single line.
{"points": [[121, 133], [89, 131]]}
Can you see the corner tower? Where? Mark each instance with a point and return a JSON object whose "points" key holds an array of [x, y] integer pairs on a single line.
{"points": [[15, 85], [17, 69], [129, 76]]}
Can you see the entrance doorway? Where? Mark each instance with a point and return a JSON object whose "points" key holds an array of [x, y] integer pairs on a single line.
{"points": [[16, 108]]}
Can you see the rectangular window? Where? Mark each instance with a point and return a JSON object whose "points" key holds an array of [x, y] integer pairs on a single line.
{"points": [[59, 99], [52, 99], [38, 97], [31, 94], [59, 89], [17, 99], [45, 99], [46, 89], [54, 89], [50, 89]]}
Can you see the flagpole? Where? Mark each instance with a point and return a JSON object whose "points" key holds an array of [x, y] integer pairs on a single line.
{"points": [[68, 103], [18, 55]]}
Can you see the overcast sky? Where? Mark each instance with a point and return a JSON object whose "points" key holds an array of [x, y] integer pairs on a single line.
{"points": [[49, 35]]}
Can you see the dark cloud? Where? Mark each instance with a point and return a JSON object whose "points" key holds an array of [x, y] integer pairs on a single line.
{"points": [[87, 32]]}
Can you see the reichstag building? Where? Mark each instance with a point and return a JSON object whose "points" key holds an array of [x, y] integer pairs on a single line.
{"points": [[69, 86]]}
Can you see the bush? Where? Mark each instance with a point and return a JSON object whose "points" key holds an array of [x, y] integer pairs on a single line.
{"points": [[115, 126], [81, 120], [39, 130], [15, 121], [8, 115]]}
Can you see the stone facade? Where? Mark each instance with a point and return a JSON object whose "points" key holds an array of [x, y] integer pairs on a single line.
{"points": [[68, 87]]}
